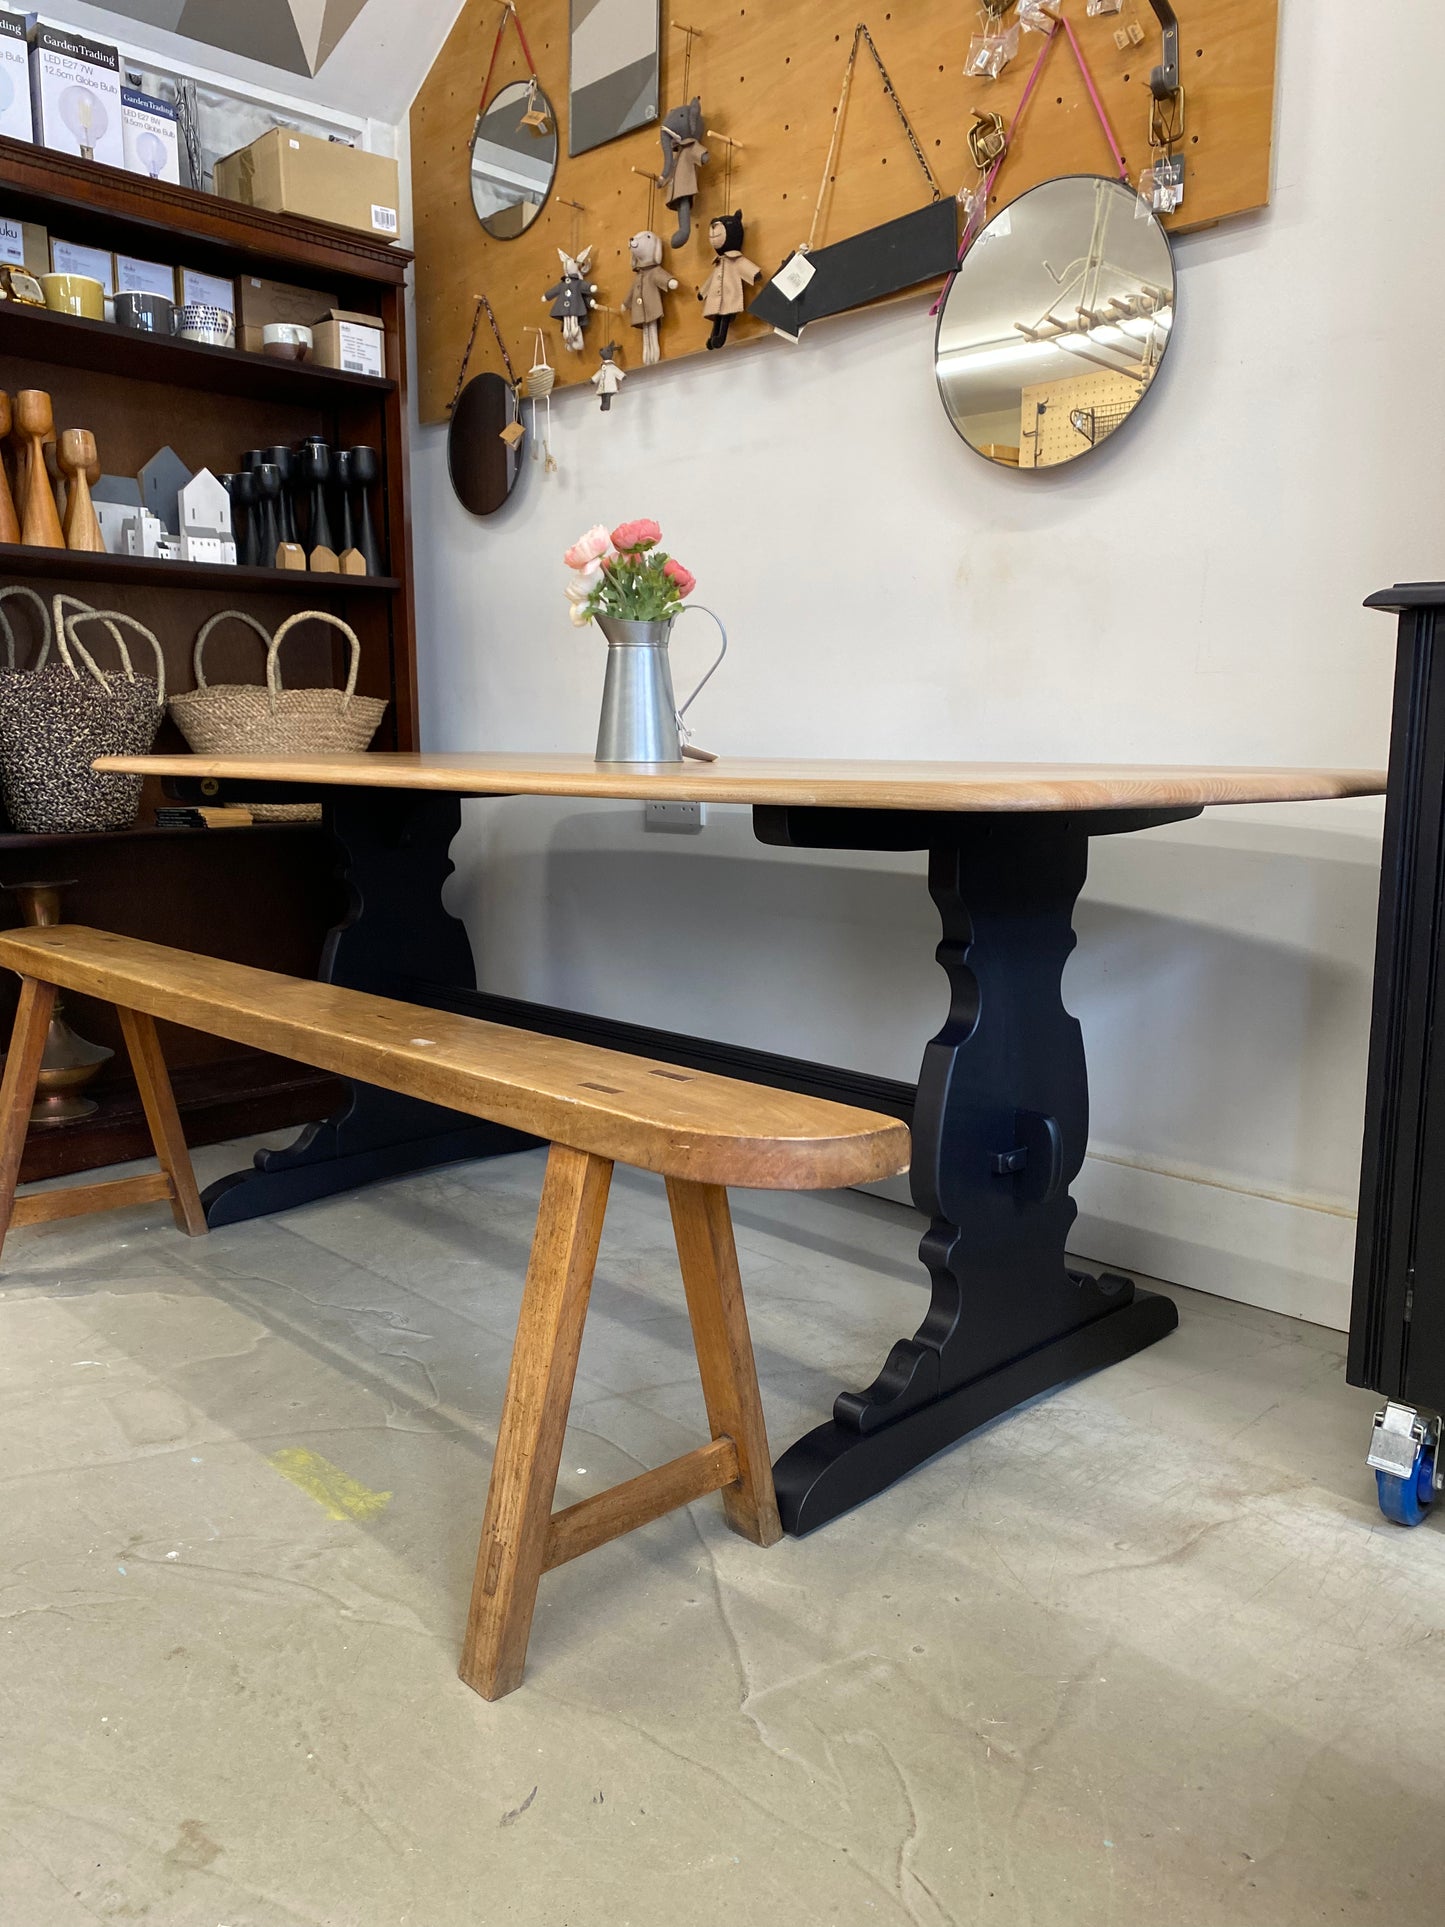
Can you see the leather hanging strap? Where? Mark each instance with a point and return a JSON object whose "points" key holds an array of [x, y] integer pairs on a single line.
{"points": [[971, 231], [509, 12], [482, 302], [862, 37]]}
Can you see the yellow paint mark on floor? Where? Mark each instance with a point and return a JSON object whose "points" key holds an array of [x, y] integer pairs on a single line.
{"points": [[342, 1496]]}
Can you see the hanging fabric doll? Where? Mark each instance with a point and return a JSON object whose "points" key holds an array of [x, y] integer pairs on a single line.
{"points": [[722, 293], [651, 281], [571, 297], [682, 155], [609, 377]]}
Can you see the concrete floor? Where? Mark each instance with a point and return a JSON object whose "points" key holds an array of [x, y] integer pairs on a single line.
{"points": [[1141, 1654]]}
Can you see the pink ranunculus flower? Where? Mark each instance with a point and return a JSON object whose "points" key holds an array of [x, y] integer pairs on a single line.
{"points": [[683, 580], [592, 547], [629, 537]]}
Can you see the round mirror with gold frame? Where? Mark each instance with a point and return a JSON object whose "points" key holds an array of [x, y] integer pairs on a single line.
{"points": [[513, 159], [1057, 322]]}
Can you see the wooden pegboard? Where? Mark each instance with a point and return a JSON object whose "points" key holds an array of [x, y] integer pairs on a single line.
{"points": [[769, 75]]}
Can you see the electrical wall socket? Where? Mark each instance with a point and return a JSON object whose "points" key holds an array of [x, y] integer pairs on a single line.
{"points": [[676, 819]]}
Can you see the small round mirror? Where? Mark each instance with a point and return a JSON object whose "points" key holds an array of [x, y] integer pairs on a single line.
{"points": [[484, 454], [1056, 323], [514, 159]]}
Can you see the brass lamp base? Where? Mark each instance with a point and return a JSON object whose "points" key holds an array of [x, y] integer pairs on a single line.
{"points": [[70, 1062]]}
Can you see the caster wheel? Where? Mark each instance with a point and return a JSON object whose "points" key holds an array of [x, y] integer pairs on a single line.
{"points": [[1407, 1500]]}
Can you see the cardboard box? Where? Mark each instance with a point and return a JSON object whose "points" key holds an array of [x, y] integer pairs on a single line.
{"points": [[353, 342], [16, 119], [24, 244], [260, 302], [67, 257], [290, 173], [75, 95], [151, 136]]}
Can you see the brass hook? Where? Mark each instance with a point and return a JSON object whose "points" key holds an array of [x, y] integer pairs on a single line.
{"points": [[987, 139], [1168, 119]]}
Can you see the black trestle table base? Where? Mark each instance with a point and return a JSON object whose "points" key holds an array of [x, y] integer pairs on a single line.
{"points": [[999, 1114]]}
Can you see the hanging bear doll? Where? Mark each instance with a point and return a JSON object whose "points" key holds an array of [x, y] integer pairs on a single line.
{"points": [[721, 294], [650, 282], [571, 298], [682, 155]]}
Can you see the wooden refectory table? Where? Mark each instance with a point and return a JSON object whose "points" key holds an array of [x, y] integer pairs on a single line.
{"points": [[999, 1112]]}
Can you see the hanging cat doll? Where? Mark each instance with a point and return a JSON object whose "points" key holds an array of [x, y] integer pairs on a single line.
{"points": [[571, 298], [682, 155], [721, 294]]}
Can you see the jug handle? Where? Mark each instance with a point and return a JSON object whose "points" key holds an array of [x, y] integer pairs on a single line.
{"points": [[697, 608]]}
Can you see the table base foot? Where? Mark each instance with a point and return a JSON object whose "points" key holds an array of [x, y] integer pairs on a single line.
{"points": [[377, 1136], [832, 1468]]}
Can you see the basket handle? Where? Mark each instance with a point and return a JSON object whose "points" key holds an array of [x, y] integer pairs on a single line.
{"points": [[110, 617], [273, 664], [83, 609], [226, 615], [39, 601]]}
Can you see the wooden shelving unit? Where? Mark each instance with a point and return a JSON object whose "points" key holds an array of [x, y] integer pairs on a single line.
{"points": [[265, 895]]}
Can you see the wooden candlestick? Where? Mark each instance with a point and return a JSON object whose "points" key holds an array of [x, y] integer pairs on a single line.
{"points": [[78, 460], [41, 527], [59, 482], [9, 520]]}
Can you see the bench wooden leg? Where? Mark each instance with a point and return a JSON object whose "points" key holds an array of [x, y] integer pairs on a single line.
{"points": [[17, 1091], [529, 1442], [703, 1226], [164, 1120]]}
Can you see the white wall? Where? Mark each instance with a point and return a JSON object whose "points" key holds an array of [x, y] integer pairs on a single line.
{"points": [[1190, 593]]}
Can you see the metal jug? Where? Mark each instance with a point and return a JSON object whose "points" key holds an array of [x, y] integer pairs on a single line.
{"points": [[641, 722]]}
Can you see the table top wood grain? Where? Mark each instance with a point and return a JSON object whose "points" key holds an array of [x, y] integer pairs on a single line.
{"points": [[823, 784]]}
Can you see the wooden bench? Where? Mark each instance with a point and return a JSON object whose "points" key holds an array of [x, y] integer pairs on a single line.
{"points": [[594, 1107]]}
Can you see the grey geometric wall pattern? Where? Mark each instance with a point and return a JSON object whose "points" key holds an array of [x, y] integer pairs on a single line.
{"points": [[296, 35]]}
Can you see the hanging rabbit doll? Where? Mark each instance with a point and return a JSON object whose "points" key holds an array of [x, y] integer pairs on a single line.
{"points": [[682, 155], [572, 297], [650, 282], [722, 293]]}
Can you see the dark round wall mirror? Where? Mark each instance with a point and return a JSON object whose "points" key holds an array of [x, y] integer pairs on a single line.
{"points": [[1057, 323], [513, 159], [484, 468]]}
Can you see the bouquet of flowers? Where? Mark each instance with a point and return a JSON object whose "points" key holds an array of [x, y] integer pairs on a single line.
{"points": [[625, 574]]}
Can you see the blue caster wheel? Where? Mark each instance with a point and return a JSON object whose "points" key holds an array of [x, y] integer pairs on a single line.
{"points": [[1407, 1499]]}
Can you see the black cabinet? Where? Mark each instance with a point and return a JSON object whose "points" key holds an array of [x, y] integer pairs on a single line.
{"points": [[1397, 1324]]}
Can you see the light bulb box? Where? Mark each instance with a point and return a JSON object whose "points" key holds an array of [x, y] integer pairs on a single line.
{"points": [[75, 95], [15, 79], [151, 136]]}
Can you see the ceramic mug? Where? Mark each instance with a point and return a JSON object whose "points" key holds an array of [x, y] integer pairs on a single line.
{"points": [[197, 321], [74, 294], [147, 314], [286, 341]]}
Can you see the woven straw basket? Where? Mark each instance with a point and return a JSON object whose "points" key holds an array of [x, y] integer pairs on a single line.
{"points": [[243, 719], [54, 721]]}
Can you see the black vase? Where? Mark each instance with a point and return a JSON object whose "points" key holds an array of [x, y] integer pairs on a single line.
{"points": [[282, 458], [314, 466], [364, 469], [268, 511]]}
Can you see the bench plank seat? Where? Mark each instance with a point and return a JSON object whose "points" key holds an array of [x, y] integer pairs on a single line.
{"points": [[595, 1108], [685, 1124]]}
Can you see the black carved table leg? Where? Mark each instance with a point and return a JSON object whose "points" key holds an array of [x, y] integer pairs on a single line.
{"points": [[395, 847], [1000, 1129]]}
